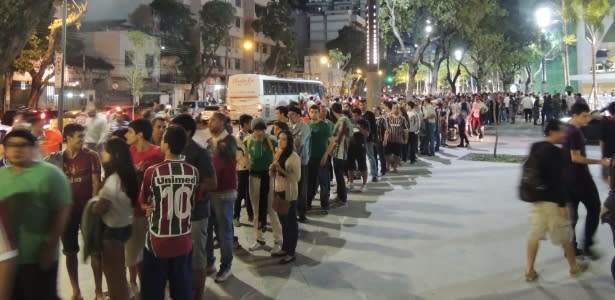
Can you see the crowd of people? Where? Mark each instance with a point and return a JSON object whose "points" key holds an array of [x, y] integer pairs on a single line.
{"points": [[154, 197]]}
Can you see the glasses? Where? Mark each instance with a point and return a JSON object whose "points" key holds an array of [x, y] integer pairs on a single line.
{"points": [[17, 145]]}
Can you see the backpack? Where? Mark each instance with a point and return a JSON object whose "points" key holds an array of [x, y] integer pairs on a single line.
{"points": [[532, 187]]}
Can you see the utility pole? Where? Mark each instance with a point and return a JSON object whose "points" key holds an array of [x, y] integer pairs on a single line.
{"points": [[61, 98]]}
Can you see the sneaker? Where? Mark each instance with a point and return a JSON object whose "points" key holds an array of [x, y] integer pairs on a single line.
{"points": [[350, 187], [579, 269], [592, 254], [363, 188], [236, 222], [258, 245], [223, 276], [276, 248], [374, 179]]}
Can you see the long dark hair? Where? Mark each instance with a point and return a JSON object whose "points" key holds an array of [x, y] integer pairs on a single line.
{"points": [[289, 147], [121, 163]]}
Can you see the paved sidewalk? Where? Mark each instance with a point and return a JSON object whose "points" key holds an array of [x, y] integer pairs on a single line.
{"points": [[441, 229]]}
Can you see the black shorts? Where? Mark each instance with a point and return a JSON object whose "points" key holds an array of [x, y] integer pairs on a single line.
{"points": [[357, 156], [70, 236], [392, 148], [121, 234]]}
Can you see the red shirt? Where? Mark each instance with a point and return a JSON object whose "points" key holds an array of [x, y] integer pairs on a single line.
{"points": [[223, 155], [79, 171], [171, 188], [143, 160]]}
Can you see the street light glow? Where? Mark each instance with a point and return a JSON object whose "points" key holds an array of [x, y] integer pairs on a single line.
{"points": [[359, 71], [324, 60], [379, 72], [248, 45], [428, 28], [543, 17], [458, 54]]}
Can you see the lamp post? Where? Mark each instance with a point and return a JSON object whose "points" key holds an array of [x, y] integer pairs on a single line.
{"points": [[61, 98], [543, 19]]}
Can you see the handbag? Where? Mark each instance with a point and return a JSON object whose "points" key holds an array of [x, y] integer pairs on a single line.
{"points": [[280, 205]]}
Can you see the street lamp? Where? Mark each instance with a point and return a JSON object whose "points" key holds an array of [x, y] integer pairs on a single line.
{"points": [[248, 45], [458, 55], [324, 60], [428, 29], [543, 19]]}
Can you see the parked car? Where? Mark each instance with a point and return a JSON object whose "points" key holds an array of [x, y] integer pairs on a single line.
{"points": [[209, 112]]}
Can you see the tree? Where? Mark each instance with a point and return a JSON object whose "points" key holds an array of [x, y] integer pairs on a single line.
{"points": [[19, 19], [276, 23], [41, 52], [217, 18], [592, 13], [415, 24], [568, 17], [350, 41], [178, 35], [135, 73], [142, 18], [341, 61]]}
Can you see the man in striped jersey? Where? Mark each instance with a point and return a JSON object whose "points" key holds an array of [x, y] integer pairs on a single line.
{"points": [[167, 195]]}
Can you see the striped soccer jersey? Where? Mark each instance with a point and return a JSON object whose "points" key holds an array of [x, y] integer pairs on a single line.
{"points": [[171, 188]]}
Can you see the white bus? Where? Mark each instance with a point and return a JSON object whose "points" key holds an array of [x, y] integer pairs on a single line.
{"points": [[259, 95]]}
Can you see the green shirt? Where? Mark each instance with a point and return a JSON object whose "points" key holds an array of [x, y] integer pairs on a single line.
{"points": [[261, 153], [32, 198], [321, 132]]}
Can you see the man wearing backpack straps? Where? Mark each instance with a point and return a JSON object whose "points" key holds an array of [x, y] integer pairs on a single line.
{"points": [[549, 213]]}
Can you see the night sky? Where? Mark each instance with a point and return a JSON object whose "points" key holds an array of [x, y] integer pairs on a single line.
{"points": [[111, 9]]}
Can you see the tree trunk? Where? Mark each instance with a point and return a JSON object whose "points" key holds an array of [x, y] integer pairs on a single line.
{"points": [[410, 85], [566, 58], [8, 82], [593, 96], [528, 81]]}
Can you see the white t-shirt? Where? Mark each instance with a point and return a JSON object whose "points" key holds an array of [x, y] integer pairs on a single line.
{"points": [[507, 102], [120, 212], [201, 136], [96, 129]]}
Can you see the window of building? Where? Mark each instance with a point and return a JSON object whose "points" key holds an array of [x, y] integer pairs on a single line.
{"points": [[149, 61], [238, 22], [238, 3], [128, 58], [237, 64]]}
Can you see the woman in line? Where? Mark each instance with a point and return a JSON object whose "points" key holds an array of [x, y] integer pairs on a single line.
{"points": [[286, 172], [115, 203]]}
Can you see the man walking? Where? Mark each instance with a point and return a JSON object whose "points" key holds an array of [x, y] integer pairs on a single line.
{"points": [[96, 130], [318, 167], [356, 150], [38, 197], [581, 186], [549, 213]]}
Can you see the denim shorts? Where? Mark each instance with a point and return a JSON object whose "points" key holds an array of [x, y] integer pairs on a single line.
{"points": [[121, 234]]}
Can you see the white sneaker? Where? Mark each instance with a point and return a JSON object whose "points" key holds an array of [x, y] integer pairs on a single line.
{"points": [[363, 188], [223, 276], [276, 248], [350, 187], [236, 223], [258, 245]]}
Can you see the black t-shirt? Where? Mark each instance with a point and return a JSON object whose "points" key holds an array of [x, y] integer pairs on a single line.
{"points": [[607, 136], [551, 166], [575, 140], [199, 158], [358, 138], [370, 117]]}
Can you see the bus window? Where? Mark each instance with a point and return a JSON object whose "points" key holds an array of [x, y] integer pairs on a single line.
{"points": [[282, 88], [269, 87], [292, 88], [321, 91], [301, 87]]}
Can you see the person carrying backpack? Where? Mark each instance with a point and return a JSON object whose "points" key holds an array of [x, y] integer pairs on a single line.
{"points": [[542, 185]]}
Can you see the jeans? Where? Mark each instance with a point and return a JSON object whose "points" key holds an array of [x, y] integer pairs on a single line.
{"points": [[157, 271], [379, 151], [613, 260], [318, 177], [303, 183], [430, 129], [261, 195], [371, 156], [436, 139], [290, 229], [585, 191], [339, 168], [222, 205], [413, 145], [527, 113], [243, 185]]}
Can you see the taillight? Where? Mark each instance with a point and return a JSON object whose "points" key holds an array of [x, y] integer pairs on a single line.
{"points": [[228, 107], [260, 108], [43, 116]]}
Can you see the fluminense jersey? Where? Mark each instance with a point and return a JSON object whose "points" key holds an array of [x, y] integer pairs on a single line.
{"points": [[171, 187]]}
